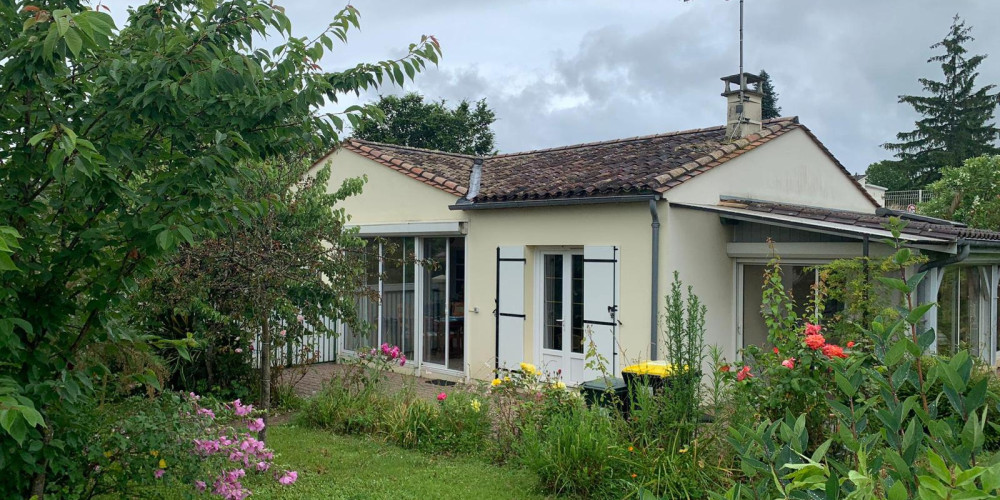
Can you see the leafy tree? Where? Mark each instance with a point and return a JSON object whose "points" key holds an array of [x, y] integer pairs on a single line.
{"points": [[889, 174], [116, 147], [271, 268], [969, 194], [956, 123], [770, 108], [409, 121]]}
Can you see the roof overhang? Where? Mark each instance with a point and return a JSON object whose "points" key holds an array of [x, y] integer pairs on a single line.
{"points": [[819, 226], [552, 202]]}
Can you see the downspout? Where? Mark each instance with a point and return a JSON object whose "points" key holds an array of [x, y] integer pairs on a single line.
{"points": [[655, 287], [964, 249]]}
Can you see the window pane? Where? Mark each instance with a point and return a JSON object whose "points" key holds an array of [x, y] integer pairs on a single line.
{"points": [[948, 308], [435, 301], [553, 301], [577, 342], [397, 294], [456, 289], [754, 328], [971, 305], [367, 306], [800, 280]]}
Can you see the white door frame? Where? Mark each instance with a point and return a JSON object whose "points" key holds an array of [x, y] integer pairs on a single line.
{"points": [[538, 312]]}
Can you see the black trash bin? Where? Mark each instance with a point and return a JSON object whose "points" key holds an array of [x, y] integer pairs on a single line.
{"points": [[607, 392]]}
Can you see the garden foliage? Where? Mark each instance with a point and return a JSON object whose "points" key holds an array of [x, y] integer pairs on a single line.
{"points": [[890, 422], [121, 144]]}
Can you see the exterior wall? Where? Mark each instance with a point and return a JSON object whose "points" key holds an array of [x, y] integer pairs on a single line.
{"points": [[789, 169], [388, 196], [626, 226]]}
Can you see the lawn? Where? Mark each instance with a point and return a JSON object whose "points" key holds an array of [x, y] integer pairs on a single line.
{"points": [[332, 466]]}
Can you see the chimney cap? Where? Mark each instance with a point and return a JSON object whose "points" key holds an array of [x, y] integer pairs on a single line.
{"points": [[735, 79]]}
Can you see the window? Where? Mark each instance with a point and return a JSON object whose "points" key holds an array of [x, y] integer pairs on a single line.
{"points": [[962, 308], [799, 281], [444, 302], [389, 310]]}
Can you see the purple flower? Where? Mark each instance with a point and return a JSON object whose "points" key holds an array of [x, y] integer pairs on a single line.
{"points": [[289, 477], [205, 411], [263, 466], [158, 473], [200, 485], [256, 425]]}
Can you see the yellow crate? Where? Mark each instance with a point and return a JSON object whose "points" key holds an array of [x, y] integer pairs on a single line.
{"points": [[653, 368]]}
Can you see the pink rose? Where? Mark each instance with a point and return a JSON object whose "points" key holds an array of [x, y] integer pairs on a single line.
{"points": [[812, 329], [815, 341], [239, 350], [282, 333], [788, 363], [442, 396], [744, 374]]}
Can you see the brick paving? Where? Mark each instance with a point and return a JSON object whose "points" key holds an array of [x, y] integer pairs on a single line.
{"points": [[318, 374]]}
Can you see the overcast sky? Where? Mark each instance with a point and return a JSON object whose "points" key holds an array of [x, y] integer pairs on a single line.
{"points": [[560, 72]]}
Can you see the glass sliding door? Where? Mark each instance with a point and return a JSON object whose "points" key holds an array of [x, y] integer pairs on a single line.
{"points": [[398, 294], [444, 302], [963, 308], [368, 304]]}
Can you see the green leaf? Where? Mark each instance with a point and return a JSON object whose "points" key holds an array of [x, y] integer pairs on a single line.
{"points": [[74, 42], [186, 233], [897, 491], [164, 240]]}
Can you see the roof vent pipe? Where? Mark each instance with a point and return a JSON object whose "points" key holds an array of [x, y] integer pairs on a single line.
{"points": [[475, 178]]}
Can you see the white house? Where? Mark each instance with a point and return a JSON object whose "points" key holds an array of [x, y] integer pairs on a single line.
{"points": [[538, 247]]}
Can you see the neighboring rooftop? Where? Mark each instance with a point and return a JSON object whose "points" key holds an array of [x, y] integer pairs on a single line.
{"points": [[639, 165]]}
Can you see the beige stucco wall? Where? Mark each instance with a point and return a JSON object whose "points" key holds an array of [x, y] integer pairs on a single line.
{"points": [[624, 225], [388, 196], [789, 169]]}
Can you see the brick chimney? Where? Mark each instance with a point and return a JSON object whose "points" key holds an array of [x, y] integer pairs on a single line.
{"points": [[744, 105]]}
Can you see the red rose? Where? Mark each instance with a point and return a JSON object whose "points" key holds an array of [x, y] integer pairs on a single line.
{"points": [[815, 341], [724, 369], [833, 351], [850, 343], [743, 374], [776, 350], [812, 329]]}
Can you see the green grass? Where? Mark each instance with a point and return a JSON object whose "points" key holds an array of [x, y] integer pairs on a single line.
{"points": [[345, 467], [332, 466]]}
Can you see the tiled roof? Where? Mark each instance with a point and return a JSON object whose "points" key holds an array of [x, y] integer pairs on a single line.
{"points": [[638, 165], [925, 228]]}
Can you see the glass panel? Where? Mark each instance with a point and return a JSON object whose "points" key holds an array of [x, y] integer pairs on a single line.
{"points": [[456, 291], [577, 341], [553, 297], [366, 336], [754, 328], [948, 308], [970, 303], [435, 301], [800, 283], [397, 294], [996, 332]]}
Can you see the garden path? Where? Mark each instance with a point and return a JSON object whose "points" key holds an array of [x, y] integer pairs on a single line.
{"points": [[315, 375]]}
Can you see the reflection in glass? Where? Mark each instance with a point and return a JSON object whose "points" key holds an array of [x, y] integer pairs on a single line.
{"points": [[398, 294], [553, 302], [577, 342], [961, 304], [368, 304], [456, 303], [435, 300]]}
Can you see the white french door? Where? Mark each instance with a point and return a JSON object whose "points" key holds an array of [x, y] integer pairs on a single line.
{"points": [[561, 308]]}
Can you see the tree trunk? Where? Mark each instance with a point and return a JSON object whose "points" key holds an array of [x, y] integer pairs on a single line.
{"points": [[265, 373], [38, 481]]}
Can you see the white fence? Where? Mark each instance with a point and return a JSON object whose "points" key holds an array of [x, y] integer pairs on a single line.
{"points": [[900, 200], [323, 348]]}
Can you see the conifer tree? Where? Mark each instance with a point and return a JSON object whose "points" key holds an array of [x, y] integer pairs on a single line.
{"points": [[769, 106], [957, 117]]}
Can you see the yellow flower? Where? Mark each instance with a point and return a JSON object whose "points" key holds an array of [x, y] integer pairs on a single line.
{"points": [[559, 384], [496, 382], [683, 450], [476, 405], [529, 369], [108, 454], [631, 449], [154, 453], [163, 464], [506, 379]]}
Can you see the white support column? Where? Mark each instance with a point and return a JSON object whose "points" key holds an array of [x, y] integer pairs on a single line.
{"points": [[993, 281]]}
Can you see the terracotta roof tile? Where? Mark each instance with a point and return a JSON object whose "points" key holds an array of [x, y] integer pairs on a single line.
{"points": [[647, 164]]}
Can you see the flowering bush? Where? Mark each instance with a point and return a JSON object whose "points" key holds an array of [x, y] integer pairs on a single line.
{"points": [[178, 439], [525, 398]]}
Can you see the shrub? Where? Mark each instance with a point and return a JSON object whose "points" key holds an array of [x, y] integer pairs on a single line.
{"points": [[571, 453]]}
